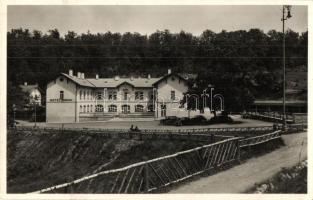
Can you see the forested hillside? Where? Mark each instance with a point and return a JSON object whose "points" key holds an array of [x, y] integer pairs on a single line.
{"points": [[241, 64]]}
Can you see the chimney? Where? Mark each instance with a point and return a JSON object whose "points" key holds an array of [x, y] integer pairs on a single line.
{"points": [[149, 76], [78, 75], [83, 75], [25, 83], [70, 72], [97, 76], [116, 78], [169, 71]]}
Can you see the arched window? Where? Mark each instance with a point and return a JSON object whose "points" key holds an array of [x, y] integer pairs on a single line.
{"points": [[87, 108], [112, 108], [84, 108], [81, 109], [139, 108], [125, 109], [99, 108], [91, 108]]}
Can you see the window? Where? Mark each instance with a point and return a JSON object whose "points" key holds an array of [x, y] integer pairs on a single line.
{"points": [[150, 108], [84, 95], [125, 109], [84, 109], [87, 108], [139, 108], [99, 96], [80, 95], [125, 94], [81, 109], [112, 95], [139, 95], [61, 95], [91, 108], [151, 95], [99, 108], [112, 108], [172, 95], [61, 79], [163, 110]]}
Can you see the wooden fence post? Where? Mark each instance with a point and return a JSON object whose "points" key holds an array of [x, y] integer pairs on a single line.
{"points": [[146, 178], [238, 150]]}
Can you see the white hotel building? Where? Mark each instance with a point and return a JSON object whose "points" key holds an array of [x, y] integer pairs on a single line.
{"points": [[76, 98]]}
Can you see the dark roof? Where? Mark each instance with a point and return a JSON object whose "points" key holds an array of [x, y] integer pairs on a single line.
{"points": [[279, 102], [29, 88], [112, 82]]}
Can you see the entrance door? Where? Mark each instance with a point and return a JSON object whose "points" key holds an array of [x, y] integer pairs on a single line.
{"points": [[125, 109], [163, 110]]}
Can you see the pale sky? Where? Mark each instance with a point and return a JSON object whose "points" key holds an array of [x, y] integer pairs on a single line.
{"points": [[148, 19]]}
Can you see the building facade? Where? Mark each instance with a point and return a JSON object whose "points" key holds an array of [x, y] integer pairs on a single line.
{"points": [[72, 98], [33, 93]]}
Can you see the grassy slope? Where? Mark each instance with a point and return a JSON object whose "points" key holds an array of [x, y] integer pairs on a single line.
{"points": [[40, 161]]}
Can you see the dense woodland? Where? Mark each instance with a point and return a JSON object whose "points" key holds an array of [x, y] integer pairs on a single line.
{"points": [[242, 65]]}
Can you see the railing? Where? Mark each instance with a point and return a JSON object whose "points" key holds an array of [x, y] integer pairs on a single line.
{"points": [[259, 139], [156, 173], [233, 130], [269, 116]]}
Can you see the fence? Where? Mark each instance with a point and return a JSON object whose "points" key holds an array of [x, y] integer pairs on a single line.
{"points": [[269, 116], [225, 131], [157, 173], [259, 139], [153, 174]]}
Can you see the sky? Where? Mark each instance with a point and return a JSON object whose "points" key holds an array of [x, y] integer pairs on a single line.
{"points": [[147, 19]]}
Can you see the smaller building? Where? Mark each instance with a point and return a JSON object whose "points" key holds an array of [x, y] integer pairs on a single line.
{"points": [[292, 106], [33, 94]]}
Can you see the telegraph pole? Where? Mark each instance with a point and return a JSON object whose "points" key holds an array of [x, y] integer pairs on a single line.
{"points": [[284, 63]]}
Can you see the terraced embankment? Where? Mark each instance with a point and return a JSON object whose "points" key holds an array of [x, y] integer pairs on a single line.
{"points": [[37, 161]]}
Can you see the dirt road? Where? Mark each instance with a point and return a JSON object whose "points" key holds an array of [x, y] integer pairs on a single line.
{"points": [[242, 177]]}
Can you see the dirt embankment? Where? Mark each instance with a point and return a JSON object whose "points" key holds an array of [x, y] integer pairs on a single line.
{"points": [[37, 161]]}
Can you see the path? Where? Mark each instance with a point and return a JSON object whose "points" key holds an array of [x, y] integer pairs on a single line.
{"points": [[147, 124], [242, 177]]}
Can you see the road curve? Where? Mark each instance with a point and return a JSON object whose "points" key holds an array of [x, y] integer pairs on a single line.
{"points": [[255, 170]]}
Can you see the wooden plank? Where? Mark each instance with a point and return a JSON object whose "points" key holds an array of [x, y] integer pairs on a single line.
{"points": [[209, 164], [168, 168], [174, 167], [175, 159], [228, 151], [217, 154], [130, 180], [123, 181], [156, 173], [210, 156], [223, 152], [140, 185], [139, 176], [164, 173], [115, 182]]}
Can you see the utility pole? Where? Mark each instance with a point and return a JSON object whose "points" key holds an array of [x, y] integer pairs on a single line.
{"points": [[284, 63]]}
